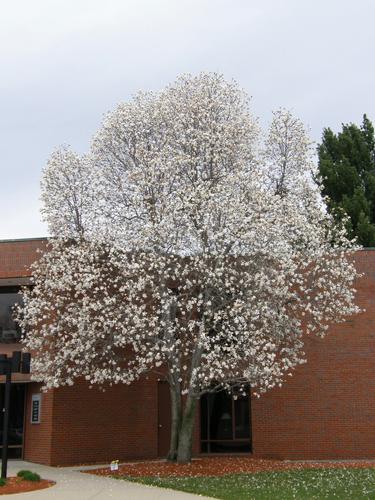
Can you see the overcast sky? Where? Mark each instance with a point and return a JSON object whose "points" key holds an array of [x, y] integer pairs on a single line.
{"points": [[66, 63]]}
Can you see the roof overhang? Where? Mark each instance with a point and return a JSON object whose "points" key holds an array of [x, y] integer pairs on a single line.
{"points": [[25, 280], [18, 378]]}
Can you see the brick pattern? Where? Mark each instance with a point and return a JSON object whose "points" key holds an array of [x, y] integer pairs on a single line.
{"points": [[81, 425], [38, 437], [94, 426], [327, 409], [17, 256]]}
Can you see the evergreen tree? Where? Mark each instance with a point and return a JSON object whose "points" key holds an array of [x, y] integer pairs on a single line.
{"points": [[347, 173]]}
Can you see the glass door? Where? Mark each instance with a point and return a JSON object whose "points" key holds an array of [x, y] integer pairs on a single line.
{"points": [[16, 419]]}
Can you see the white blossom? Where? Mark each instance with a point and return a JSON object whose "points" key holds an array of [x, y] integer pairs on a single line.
{"points": [[186, 240]]}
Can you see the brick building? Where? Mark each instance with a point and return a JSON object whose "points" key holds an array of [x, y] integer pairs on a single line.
{"points": [[326, 410]]}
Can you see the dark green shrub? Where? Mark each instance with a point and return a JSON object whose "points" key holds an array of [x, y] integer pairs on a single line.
{"points": [[22, 472], [31, 476], [3, 481], [28, 475]]}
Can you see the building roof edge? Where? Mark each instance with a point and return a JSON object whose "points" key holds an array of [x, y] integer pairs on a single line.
{"points": [[20, 240]]}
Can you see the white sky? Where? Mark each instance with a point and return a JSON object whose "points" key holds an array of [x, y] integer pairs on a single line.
{"points": [[63, 64]]}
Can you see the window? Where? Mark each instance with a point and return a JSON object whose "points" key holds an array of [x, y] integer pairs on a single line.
{"points": [[225, 423], [9, 330]]}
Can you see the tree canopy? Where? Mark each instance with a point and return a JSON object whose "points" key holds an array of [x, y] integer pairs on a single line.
{"points": [[347, 173], [188, 243]]}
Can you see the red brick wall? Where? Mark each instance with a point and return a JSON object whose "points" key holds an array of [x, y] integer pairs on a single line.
{"points": [[94, 426], [17, 256], [327, 409], [37, 437]]}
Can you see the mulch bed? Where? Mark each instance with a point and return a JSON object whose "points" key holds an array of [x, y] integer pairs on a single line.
{"points": [[220, 466], [19, 485]]}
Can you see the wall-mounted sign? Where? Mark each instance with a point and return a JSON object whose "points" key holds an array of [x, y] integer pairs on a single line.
{"points": [[35, 408]]}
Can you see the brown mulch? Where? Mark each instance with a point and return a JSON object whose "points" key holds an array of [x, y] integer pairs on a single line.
{"points": [[220, 466], [19, 485]]}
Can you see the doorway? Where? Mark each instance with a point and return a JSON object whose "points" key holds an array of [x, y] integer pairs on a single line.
{"points": [[164, 418], [16, 419]]}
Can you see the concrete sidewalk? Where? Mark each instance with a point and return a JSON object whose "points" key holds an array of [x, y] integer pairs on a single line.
{"points": [[74, 485]]}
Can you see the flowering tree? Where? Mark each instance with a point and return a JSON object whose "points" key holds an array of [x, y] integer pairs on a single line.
{"points": [[186, 244]]}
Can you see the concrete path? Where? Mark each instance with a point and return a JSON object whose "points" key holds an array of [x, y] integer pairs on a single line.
{"points": [[74, 485]]}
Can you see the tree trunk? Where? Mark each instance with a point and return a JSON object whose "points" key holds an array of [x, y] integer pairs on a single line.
{"points": [[176, 422], [185, 441]]}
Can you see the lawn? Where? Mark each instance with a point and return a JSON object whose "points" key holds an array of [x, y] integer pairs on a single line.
{"points": [[341, 483]]}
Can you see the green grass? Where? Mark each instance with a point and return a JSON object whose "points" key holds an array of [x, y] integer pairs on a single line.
{"points": [[320, 484]]}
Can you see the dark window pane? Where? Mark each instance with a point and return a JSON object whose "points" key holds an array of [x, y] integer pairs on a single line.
{"points": [[204, 447], [221, 416], [15, 452], [225, 424], [230, 447], [16, 414], [242, 421], [204, 417], [9, 331]]}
